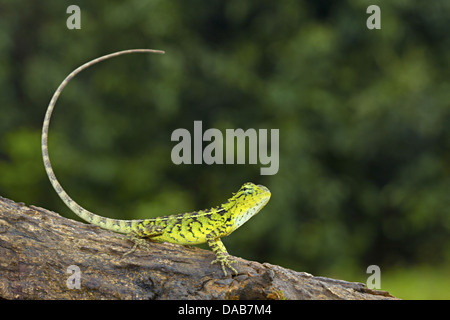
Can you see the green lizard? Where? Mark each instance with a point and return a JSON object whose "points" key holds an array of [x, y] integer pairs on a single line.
{"points": [[187, 228]]}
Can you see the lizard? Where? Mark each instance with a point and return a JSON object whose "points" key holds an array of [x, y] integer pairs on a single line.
{"points": [[203, 226]]}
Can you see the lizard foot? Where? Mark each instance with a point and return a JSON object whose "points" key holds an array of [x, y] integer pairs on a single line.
{"points": [[225, 260], [138, 242]]}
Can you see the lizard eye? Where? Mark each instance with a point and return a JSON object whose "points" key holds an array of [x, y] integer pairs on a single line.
{"points": [[246, 188]]}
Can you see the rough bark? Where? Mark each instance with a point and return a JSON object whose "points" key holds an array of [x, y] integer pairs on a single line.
{"points": [[39, 249]]}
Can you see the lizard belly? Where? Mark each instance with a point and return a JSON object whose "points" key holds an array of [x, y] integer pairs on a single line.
{"points": [[182, 238]]}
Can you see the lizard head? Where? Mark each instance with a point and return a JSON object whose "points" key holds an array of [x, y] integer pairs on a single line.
{"points": [[247, 202]]}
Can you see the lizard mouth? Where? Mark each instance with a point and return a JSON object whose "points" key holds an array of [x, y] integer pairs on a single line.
{"points": [[264, 188]]}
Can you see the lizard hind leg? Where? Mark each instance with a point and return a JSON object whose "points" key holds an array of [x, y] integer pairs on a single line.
{"points": [[140, 233]]}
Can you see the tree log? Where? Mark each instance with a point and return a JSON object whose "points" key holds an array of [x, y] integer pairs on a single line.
{"points": [[46, 256]]}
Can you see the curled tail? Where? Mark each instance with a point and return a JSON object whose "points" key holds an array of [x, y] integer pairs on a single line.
{"points": [[122, 226]]}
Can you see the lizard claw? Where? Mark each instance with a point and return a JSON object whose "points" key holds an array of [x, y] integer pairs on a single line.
{"points": [[225, 260]]}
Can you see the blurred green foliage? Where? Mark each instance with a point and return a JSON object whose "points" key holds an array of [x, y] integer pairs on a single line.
{"points": [[364, 119]]}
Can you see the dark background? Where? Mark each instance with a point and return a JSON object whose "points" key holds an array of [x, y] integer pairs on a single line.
{"points": [[364, 120]]}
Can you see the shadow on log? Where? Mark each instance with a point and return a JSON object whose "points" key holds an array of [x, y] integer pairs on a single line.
{"points": [[43, 255]]}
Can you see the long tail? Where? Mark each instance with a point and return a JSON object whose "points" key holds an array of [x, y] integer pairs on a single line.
{"points": [[122, 226]]}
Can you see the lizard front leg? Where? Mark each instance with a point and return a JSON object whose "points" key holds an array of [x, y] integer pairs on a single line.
{"points": [[219, 249]]}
